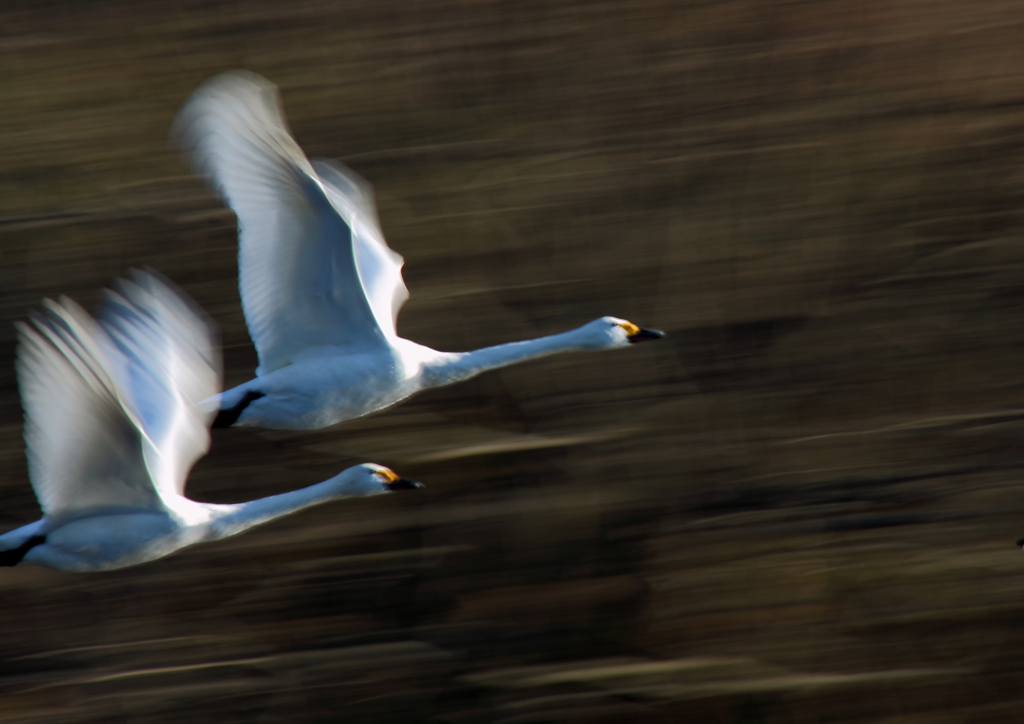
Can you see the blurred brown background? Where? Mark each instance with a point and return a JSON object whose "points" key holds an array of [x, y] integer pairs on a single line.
{"points": [[798, 507]]}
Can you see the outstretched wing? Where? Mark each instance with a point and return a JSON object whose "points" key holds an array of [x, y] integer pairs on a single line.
{"points": [[299, 277], [171, 361], [85, 450], [380, 268]]}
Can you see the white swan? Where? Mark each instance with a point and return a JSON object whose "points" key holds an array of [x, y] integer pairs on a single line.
{"points": [[320, 288], [111, 431]]}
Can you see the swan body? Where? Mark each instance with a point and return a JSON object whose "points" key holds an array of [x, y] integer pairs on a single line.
{"points": [[321, 289], [112, 430]]}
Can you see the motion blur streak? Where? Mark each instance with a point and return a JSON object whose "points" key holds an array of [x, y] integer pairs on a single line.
{"points": [[799, 506]]}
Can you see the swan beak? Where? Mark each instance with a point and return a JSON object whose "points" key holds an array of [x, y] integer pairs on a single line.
{"points": [[403, 484], [1020, 543], [642, 335]]}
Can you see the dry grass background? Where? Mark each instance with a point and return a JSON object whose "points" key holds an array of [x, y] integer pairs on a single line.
{"points": [[799, 507]]}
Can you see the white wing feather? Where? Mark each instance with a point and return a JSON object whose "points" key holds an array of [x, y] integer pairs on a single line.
{"points": [[110, 415], [380, 268], [172, 361], [298, 275], [85, 451]]}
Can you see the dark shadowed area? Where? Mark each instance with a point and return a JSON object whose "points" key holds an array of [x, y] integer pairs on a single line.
{"points": [[798, 507]]}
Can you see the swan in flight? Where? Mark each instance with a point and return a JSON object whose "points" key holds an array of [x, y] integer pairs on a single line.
{"points": [[320, 287], [111, 430]]}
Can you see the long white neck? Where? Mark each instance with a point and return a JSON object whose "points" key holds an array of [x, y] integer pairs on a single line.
{"points": [[229, 520], [450, 367]]}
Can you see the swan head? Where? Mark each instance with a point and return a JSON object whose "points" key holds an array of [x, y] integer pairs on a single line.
{"points": [[370, 478], [612, 332]]}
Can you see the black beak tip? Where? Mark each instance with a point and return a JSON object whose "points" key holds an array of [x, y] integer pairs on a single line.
{"points": [[1020, 543], [645, 334], [404, 484]]}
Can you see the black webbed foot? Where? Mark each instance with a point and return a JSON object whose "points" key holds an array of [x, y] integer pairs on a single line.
{"points": [[13, 556], [228, 416]]}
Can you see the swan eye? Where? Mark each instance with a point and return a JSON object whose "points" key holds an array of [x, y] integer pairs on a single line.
{"points": [[630, 328], [389, 475]]}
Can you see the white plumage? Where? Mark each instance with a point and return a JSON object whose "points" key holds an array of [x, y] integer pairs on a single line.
{"points": [[112, 430], [320, 288]]}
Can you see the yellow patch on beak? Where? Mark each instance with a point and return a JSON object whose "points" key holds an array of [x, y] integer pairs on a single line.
{"points": [[389, 475], [630, 328]]}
